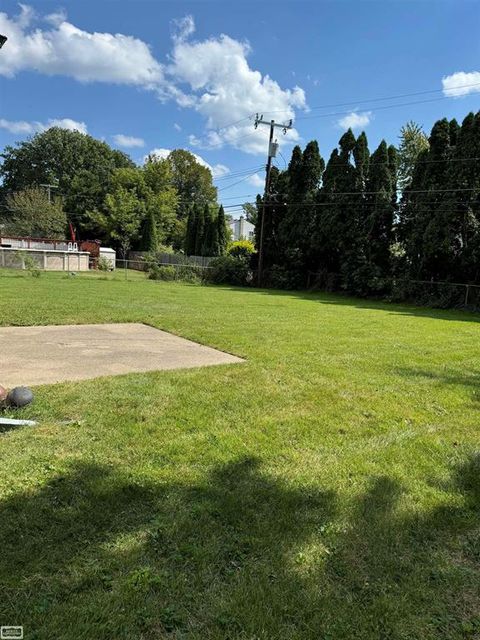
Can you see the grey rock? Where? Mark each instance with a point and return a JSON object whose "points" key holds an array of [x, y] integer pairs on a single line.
{"points": [[20, 397]]}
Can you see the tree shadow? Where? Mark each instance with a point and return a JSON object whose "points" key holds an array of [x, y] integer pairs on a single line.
{"points": [[94, 553], [397, 575], [395, 308], [466, 380]]}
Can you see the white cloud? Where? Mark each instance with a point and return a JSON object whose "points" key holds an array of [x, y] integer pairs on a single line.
{"points": [[355, 120], [256, 180], [57, 17], [221, 86], [218, 170], [67, 50], [461, 83], [128, 141], [182, 28], [67, 123], [212, 77], [27, 128], [18, 126], [161, 154]]}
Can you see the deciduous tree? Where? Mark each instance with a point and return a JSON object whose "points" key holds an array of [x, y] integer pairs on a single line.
{"points": [[81, 166], [31, 213]]}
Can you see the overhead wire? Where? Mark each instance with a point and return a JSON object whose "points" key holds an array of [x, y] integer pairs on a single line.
{"points": [[238, 182], [378, 99]]}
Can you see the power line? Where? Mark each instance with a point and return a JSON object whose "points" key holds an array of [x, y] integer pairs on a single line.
{"points": [[232, 124], [376, 164], [344, 104], [223, 142], [372, 193], [239, 181], [341, 113], [237, 174], [382, 108], [366, 101], [329, 204], [243, 195]]}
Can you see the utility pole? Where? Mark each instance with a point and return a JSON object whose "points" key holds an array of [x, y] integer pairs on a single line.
{"points": [[272, 152], [49, 188]]}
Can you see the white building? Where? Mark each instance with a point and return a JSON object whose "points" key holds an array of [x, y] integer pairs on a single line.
{"points": [[242, 229]]}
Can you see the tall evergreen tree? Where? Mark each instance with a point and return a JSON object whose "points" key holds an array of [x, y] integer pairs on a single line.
{"points": [[325, 239], [295, 230], [221, 231], [379, 220], [460, 209], [200, 231], [209, 245], [425, 235], [338, 229], [355, 267], [149, 232], [274, 214], [191, 231], [361, 155], [214, 243]]}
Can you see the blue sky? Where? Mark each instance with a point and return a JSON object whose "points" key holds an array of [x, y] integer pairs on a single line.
{"points": [[147, 75]]}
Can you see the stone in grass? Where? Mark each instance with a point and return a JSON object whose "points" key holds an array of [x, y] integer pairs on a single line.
{"points": [[20, 397]]}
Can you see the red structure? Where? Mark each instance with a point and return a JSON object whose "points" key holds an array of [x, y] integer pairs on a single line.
{"points": [[93, 248]]}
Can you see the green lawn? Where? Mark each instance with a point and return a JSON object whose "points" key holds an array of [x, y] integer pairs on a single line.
{"points": [[328, 488]]}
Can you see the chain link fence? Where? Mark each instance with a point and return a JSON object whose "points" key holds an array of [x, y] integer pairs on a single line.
{"points": [[445, 295], [432, 293], [168, 271]]}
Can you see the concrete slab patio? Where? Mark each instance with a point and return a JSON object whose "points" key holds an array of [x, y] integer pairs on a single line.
{"points": [[45, 355]]}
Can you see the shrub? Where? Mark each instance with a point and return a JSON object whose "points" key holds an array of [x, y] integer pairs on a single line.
{"points": [[161, 272], [279, 277], [241, 249], [31, 266], [191, 273], [104, 264], [230, 270]]}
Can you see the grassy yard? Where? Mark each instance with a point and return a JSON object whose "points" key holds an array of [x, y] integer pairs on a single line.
{"points": [[328, 488]]}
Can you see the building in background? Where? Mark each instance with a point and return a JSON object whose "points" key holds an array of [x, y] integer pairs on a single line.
{"points": [[242, 229]]}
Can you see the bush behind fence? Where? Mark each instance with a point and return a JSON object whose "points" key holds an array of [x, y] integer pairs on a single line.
{"points": [[444, 295], [184, 272], [139, 258]]}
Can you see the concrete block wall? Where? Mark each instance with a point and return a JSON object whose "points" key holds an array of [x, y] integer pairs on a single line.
{"points": [[47, 260]]}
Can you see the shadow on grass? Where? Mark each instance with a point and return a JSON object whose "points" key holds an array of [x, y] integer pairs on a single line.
{"points": [[465, 380], [339, 299], [242, 555]]}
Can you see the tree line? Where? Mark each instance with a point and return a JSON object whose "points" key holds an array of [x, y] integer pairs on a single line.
{"points": [[104, 195], [363, 221]]}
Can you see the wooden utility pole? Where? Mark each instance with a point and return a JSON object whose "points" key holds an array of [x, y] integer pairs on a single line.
{"points": [[49, 188], [272, 152]]}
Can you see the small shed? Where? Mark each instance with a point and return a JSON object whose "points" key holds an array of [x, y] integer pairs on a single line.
{"points": [[109, 255]]}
